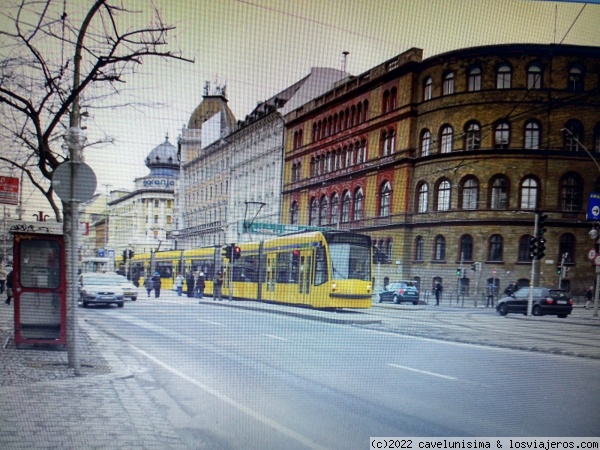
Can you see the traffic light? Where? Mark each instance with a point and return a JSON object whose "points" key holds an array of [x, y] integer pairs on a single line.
{"points": [[558, 271], [533, 248], [474, 267], [226, 252], [541, 224], [458, 272], [237, 252], [541, 248], [124, 255], [131, 254]]}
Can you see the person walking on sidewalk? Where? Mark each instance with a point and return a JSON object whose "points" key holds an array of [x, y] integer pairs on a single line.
{"points": [[490, 295], [217, 295], [589, 295], [149, 285], [3, 275], [438, 289], [9, 287], [189, 280], [156, 284], [200, 286], [179, 284]]}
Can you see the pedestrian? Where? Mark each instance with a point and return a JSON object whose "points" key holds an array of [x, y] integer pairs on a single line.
{"points": [[510, 289], [149, 285], [156, 283], [189, 280], [438, 289], [200, 285], [9, 287], [3, 275], [589, 295], [217, 295], [179, 284], [490, 295]]}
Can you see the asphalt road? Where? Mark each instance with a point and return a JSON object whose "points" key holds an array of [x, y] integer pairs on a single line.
{"points": [[233, 378]]}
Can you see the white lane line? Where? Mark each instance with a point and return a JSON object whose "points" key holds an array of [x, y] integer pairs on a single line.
{"points": [[433, 374], [210, 321], [272, 336], [265, 420]]}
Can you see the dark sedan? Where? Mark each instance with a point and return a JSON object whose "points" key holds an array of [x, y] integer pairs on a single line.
{"points": [[400, 291], [546, 301]]}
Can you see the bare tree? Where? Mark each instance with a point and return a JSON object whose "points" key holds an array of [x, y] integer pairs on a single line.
{"points": [[37, 92]]}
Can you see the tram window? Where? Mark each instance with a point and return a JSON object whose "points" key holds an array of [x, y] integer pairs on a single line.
{"points": [[321, 272], [165, 269], [288, 267], [348, 261], [248, 269], [207, 267]]}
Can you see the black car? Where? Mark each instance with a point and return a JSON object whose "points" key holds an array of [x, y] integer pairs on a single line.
{"points": [[546, 301], [400, 291]]}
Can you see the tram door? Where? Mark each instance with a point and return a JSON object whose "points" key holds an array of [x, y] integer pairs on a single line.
{"points": [[305, 271], [271, 273]]}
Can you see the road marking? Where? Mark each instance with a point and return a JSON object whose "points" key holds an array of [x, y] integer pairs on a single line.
{"points": [[210, 321], [265, 420], [274, 337], [433, 374]]}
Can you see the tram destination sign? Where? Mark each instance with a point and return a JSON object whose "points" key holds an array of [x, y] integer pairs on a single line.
{"points": [[278, 228]]}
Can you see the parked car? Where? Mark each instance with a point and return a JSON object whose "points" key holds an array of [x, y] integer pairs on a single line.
{"points": [[400, 291], [546, 301], [129, 289], [100, 289]]}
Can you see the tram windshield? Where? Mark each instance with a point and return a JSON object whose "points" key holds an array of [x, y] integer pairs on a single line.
{"points": [[350, 257]]}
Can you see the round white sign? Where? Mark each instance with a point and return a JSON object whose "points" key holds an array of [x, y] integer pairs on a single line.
{"points": [[84, 185], [591, 254]]}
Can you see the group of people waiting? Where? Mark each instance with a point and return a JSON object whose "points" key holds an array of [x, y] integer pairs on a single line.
{"points": [[196, 283]]}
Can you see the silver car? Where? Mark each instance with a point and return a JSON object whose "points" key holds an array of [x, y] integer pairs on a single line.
{"points": [[129, 289], [100, 289]]}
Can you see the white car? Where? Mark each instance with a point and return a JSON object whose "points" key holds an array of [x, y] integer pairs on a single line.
{"points": [[129, 289], [99, 289]]}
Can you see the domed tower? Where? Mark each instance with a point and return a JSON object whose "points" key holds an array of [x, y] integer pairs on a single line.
{"points": [[163, 161]]}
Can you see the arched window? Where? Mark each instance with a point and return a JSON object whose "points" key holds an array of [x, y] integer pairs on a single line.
{"points": [[425, 143], [384, 199], [524, 253], [534, 77], [472, 136], [423, 197], [346, 201], [496, 248], [499, 194], [335, 209], [358, 204], [573, 136], [532, 135], [365, 111], [446, 139], [474, 79], [443, 196], [323, 211], [466, 248], [313, 213], [419, 249], [388, 142], [469, 193], [529, 193], [571, 192], [566, 248], [439, 248], [448, 83], [427, 89], [501, 135], [294, 213], [503, 76], [576, 79]]}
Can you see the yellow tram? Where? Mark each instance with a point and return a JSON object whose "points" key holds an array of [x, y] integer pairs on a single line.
{"points": [[319, 269]]}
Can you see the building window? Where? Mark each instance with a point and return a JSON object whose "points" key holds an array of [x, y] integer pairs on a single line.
{"points": [[566, 248], [443, 196], [503, 77], [427, 89], [499, 197], [425, 143], [532, 135], [423, 198], [470, 194], [439, 248], [389, 100], [496, 248], [447, 139], [501, 135], [571, 192], [384, 199], [335, 205], [155, 219], [419, 249], [358, 204], [313, 213], [323, 211], [466, 248], [474, 79], [534, 77], [388, 142], [576, 79], [529, 193], [448, 84], [524, 253], [573, 136], [472, 136], [294, 213], [346, 201]]}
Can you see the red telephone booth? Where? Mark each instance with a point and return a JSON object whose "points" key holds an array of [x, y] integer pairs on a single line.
{"points": [[39, 286]]}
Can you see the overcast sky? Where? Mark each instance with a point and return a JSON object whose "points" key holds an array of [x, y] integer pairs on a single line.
{"points": [[259, 47]]}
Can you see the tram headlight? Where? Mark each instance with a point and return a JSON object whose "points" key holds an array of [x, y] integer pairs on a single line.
{"points": [[333, 287], [368, 288]]}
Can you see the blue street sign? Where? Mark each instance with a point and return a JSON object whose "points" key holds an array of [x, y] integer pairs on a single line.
{"points": [[101, 252], [593, 212]]}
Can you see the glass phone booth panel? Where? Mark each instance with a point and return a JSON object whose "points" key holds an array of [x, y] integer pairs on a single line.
{"points": [[39, 288]]}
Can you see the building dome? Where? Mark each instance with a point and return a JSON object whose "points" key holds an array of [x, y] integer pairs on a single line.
{"points": [[163, 160]]}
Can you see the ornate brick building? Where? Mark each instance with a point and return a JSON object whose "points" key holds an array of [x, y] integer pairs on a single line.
{"points": [[445, 161]]}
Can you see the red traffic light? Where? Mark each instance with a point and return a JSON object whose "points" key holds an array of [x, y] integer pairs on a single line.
{"points": [[237, 252]]}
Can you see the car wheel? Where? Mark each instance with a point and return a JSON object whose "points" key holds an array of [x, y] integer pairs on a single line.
{"points": [[562, 316], [133, 299], [396, 299], [380, 299], [416, 302], [121, 304], [502, 309], [537, 310], [84, 303]]}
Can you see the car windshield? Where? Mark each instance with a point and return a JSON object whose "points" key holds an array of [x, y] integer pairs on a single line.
{"points": [[96, 281], [349, 261], [558, 295]]}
